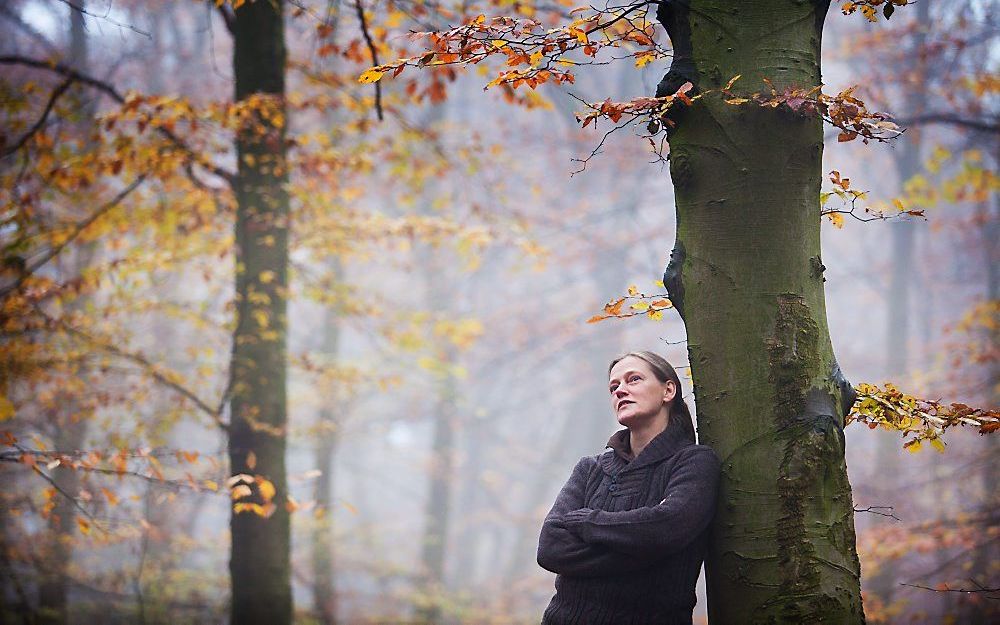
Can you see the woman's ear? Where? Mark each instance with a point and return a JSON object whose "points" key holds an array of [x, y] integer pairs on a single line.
{"points": [[670, 391]]}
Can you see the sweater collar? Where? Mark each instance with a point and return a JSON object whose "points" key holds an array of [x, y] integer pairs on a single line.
{"points": [[665, 444]]}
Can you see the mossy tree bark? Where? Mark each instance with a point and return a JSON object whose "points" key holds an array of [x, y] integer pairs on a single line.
{"points": [[259, 560], [747, 277]]}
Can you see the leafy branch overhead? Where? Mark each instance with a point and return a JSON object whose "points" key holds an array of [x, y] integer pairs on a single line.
{"points": [[534, 55]]}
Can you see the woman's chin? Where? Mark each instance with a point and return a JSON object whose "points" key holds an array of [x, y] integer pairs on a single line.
{"points": [[627, 419]]}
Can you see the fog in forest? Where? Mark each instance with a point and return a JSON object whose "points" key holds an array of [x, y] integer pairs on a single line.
{"points": [[443, 263]]}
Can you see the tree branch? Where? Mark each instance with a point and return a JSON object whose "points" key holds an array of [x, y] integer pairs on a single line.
{"points": [[952, 120], [108, 89], [151, 369], [77, 230], [106, 17], [977, 588], [61, 89], [371, 49]]}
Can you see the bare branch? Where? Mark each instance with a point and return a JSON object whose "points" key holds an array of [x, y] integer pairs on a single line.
{"points": [[951, 120], [885, 511], [371, 49], [106, 17], [977, 587]]}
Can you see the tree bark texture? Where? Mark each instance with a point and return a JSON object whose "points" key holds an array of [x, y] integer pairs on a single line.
{"points": [[259, 560], [747, 277]]}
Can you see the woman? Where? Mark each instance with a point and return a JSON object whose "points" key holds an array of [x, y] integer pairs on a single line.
{"points": [[628, 532]]}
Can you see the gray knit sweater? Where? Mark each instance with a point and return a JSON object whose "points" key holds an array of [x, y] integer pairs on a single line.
{"points": [[627, 537]]}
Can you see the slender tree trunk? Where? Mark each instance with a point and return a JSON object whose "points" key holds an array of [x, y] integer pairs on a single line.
{"points": [[324, 596], [437, 515], [69, 422], [259, 562], [747, 277]]}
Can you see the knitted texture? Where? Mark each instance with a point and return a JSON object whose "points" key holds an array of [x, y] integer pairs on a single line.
{"points": [[627, 538]]}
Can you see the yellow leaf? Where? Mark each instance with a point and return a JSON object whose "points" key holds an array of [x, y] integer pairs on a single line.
{"points": [[732, 81], [210, 485], [536, 58], [262, 318], [937, 444], [655, 315], [267, 489], [640, 306], [110, 496], [84, 525], [836, 219], [659, 283], [498, 43], [240, 491], [633, 290], [370, 76], [913, 446], [266, 277], [6, 408]]}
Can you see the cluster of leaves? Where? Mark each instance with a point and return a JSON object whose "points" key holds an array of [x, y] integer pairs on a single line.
{"points": [[843, 110], [842, 189], [652, 306], [533, 53], [917, 419], [869, 8]]}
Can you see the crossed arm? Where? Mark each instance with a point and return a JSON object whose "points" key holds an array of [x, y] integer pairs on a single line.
{"points": [[582, 542]]}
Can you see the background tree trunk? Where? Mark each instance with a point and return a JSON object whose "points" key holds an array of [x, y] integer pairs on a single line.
{"points": [[747, 277], [259, 562], [324, 594], [69, 420]]}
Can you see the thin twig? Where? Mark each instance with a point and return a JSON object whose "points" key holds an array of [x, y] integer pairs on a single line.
{"points": [[879, 510], [371, 49], [77, 230], [978, 588], [107, 18], [61, 89], [150, 368]]}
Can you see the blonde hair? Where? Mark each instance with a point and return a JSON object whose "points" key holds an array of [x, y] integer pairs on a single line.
{"points": [[679, 412]]}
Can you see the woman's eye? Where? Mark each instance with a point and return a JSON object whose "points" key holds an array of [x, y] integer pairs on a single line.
{"points": [[633, 378]]}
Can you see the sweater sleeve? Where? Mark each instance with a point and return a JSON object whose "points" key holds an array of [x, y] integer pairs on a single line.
{"points": [[654, 532], [564, 552]]}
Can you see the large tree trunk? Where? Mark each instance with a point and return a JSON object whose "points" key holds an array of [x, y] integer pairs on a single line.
{"points": [[747, 278], [259, 562]]}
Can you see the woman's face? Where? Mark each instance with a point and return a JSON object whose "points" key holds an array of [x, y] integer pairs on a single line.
{"points": [[637, 396]]}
